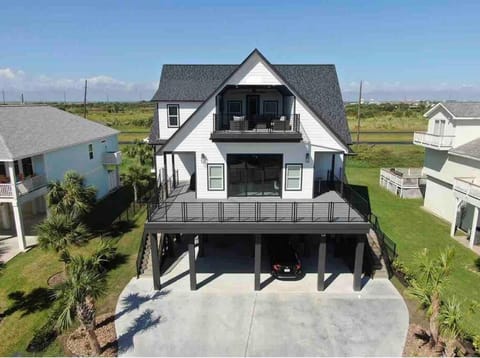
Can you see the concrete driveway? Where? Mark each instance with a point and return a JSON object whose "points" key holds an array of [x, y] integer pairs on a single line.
{"points": [[225, 317]]}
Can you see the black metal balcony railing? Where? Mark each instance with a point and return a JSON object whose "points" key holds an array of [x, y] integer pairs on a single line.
{"points": [[224, 211], [355, 208], [256, 123]]}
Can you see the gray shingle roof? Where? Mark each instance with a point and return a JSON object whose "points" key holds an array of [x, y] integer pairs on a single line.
{"points": [[470, 149], [190, 82], [464, 109], [30, 130], [317, 85]]}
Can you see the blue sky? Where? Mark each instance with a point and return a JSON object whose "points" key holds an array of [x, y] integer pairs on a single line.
{"points": [[401, 49]]}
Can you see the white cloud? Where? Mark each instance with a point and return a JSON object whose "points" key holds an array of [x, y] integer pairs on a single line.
{"points": [[47, 88]]}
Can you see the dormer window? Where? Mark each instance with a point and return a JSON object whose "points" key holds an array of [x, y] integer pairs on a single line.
{"points": [[173, 115]]}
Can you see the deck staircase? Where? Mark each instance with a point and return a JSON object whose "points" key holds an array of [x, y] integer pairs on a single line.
{"points": [[376, 255], [144, 262]]}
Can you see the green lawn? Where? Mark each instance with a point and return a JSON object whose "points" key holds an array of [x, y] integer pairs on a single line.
{"points": [[28, 273], [413, 229]]}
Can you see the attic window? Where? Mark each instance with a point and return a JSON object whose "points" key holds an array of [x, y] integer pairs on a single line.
{"points": [[173, 114]]}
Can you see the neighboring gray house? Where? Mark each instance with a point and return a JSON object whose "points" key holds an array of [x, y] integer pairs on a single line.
{"points": [[38, 144]]}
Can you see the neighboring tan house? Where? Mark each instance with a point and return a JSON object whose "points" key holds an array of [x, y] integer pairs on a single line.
{"points": [[38, 144], [452, 164], [253, 149]]}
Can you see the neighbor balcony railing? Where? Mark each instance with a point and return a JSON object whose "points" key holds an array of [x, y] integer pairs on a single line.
{"points": [[403, 177], [112, 158], [467, 186], [437, 141], [23, 187]]}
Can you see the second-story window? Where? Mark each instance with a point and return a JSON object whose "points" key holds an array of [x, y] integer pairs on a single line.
{"points": [[234, 108], [270, 108], [90, 151], [173, 114]]}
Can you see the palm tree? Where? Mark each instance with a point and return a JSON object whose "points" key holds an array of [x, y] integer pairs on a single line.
{"points": [[450, 329], [58, 231], [136, 176], [71, 196], [427, 286], [143, 153], [77, 296]]}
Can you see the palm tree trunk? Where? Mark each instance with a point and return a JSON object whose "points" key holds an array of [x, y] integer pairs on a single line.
{"points": [[434, 319], [86, 313], [93, 340], [135, 193]]}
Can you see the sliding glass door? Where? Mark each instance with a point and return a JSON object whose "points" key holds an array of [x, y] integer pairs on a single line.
{"points": [[254, 174]]}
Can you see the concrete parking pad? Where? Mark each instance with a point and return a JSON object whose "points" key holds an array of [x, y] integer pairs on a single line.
{"points": [[238, 322]]}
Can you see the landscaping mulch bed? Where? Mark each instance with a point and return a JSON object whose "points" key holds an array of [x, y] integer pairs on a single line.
{"points": [[417, 344], [77, 343], [56, 279]]}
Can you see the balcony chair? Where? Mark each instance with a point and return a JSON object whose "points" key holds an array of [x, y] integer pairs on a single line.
{"points": [[281, 124], [238, 123]]}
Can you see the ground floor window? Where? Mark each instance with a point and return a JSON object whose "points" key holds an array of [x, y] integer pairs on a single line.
{"points": [[293, 174], [215, 177], [254, 174]]}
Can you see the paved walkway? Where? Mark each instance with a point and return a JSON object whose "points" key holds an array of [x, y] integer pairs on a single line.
{"points": [[9, 246], [225, 317]]}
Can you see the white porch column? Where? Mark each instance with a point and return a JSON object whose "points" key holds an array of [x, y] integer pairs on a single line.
{"points": [[454, 221], [17, 213], [473, 231], [5, 217]]}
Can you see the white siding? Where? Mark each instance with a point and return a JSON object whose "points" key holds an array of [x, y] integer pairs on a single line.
{"points": [[441, 115], [186, 110], [466, 131], [446, 167], [439, 199]]}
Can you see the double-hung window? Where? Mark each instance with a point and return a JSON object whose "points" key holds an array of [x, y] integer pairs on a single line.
{"points": [[215, 177], [173, 115], [293, 176]]}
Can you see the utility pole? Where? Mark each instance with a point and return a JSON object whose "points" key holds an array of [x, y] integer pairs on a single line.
{"points": [[22, 99], [85, 101], [358, 112], [3, 95], [64, 97]]}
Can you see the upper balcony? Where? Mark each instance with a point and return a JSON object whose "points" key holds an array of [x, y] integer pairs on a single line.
{"points": [[253, 113], [24, 186], [256, 128], [112, 158], [433, 141]]}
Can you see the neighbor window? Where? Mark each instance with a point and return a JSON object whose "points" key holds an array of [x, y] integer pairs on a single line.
{"points": [[293, 174], [270, 108], [90, 151], [234, 107], [173, 113], [215, 177]]}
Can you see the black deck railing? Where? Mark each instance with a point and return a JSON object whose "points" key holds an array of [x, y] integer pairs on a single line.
{"points": [[257, 123], [228, 211]]}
